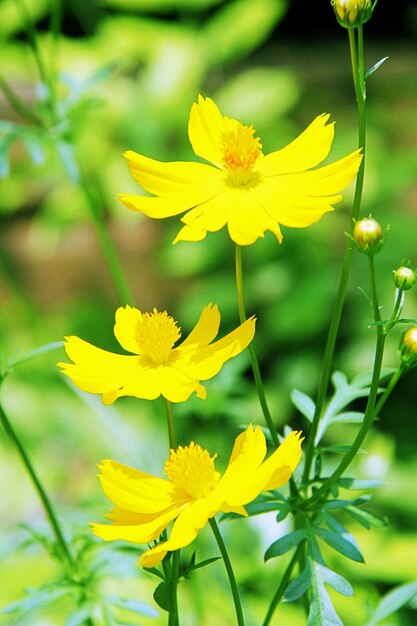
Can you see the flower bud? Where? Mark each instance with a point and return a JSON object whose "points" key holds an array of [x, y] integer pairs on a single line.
{"points": [[368, 236], [408, 347], [351, 13], [404, 278]]}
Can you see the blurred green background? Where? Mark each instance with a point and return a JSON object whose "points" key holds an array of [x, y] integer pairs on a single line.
{"points": [[127, 72]]}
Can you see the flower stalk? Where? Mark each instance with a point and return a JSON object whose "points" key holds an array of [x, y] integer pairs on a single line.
{"points": [[358, 72], [253, 357], [229, 570]]}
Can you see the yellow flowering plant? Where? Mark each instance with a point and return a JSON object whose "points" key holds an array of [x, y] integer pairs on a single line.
{"points": [[242, 188], [250, 193]]}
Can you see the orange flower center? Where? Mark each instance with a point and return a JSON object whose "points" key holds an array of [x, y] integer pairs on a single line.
{"points": [[192, 469], [240, 151], [156, 334]]}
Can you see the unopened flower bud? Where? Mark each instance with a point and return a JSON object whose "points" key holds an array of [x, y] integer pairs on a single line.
{"points": [[408, 347], [404, 278], [368, 236], [351, 13]]}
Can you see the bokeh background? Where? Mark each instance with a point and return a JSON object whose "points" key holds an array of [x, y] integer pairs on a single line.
{"points": [[127, 72]]}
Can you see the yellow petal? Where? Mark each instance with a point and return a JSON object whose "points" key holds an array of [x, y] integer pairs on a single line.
{"points": [[127, 319], [185, 529], [207, 362], [306, 151], [204, 130], [205, 330], [247, 455], [165, 179], [158, 208], [290, 206], [153, 380], [272, 473], [287, 455], [95, 370], [133, 490], [140, 533], [195, 232], [248, 218]]}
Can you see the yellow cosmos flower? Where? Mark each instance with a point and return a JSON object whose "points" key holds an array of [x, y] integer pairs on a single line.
{"points": [[246, 190], [158, 368], [193, 493]]}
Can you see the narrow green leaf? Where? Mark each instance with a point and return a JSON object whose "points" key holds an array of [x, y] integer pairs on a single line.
{"points": [[392, 601], [203, 563], [282, 545], [375, 67], [18, 358], [303, 403], [298, 586], [358, 484], [340, 543], [367, 519], [163, 596], [340, 449]]}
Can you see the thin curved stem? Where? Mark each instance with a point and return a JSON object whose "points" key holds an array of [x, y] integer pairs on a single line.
{"points": [[229, 570], [359, 84], [46, 503], [282, 586], [402, 368], [254, 359], [371, 406]]}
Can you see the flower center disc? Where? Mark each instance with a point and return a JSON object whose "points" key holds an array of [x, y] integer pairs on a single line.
{"points": [[240, 151], [192, 469], [156, 334]]}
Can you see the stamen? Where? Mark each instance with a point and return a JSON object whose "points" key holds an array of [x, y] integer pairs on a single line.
{"points": [[156, 333], [240, 151], [192, 469]]}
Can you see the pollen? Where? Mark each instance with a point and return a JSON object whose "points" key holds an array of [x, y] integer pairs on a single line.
{"points": [[192, 469], [240, 151], [156, 334]]}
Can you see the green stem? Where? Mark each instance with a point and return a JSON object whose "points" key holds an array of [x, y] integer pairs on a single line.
{"points": [[170, 423], [371, 407], [229, 570], [282, 586], [254, 359], [173, 619], [47, 505], [402, 368], [359, 84], [107, 246]]}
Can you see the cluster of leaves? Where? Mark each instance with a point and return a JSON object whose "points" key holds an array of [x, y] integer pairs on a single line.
{"points": [[80, 585]]}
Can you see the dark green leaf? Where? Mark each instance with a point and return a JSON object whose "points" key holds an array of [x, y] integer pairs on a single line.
{"points": [[282, 545], [340, 449], [321, 612], [163, 596], [342, 544], [367, 519], [156, 572], [298, 586]]}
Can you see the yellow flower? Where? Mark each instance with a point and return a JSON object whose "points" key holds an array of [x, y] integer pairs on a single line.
{"points": [[193, 493], [158, 368], [246, 190]]}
